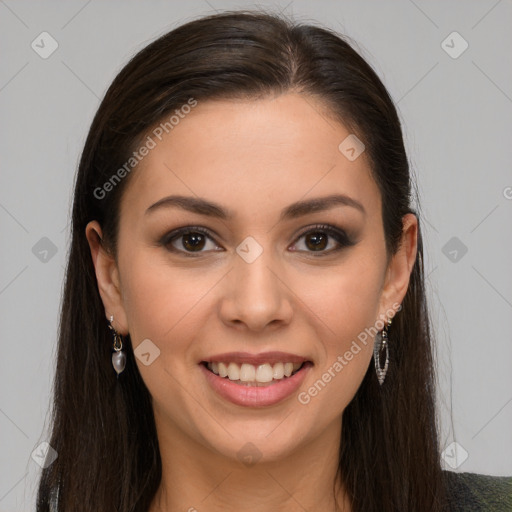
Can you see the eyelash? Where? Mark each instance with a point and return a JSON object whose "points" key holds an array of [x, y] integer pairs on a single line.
{"points": [[338, 235]]}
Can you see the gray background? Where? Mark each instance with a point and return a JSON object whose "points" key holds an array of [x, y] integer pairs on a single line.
{"points": [[456, 115]]}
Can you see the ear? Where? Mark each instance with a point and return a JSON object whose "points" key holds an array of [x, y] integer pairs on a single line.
{"points": [[107, 276], [400, 266]]}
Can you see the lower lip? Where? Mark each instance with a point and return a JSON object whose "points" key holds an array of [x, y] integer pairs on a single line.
{"points": [[256, 396]]}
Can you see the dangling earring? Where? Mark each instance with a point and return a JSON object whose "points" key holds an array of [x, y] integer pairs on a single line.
{"points": [[119, 357], [380, 347]]}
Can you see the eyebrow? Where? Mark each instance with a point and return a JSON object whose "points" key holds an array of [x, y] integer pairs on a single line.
{"points": [[294, 210]]}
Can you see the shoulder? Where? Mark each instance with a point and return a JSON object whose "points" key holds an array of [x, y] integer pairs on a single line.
{"points": [[480, 493]]}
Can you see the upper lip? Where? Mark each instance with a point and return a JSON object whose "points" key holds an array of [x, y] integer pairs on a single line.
{"points": [[255, 359]]}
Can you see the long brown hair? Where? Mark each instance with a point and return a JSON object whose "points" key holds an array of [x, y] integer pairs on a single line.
{"points": [[102, 427]]}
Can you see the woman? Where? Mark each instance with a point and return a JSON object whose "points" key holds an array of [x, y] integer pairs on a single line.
{"points": [[243, 245]]}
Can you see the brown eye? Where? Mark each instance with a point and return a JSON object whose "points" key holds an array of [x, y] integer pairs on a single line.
{"points": [[193, 241], [316, 241], [189, 240], [320, 238]]}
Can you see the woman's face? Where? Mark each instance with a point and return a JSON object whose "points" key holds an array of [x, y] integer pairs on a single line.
{"points": [[260, 276]]}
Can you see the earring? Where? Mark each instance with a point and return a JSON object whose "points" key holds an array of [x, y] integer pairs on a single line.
{"points": [[119, 357], [381, 346]]}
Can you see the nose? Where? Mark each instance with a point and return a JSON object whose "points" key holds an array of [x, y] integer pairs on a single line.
{"points": [[255, 295]]}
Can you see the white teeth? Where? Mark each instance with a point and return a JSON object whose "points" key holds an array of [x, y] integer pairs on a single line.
{"points": [[264, 373], [249, 373], [278, 371], [288, 369], [223, 369], [233, 371]]}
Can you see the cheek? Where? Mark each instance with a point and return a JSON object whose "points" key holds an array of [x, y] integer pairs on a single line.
{"points": [[345, 329], [162, 306], [170, 307], [158, 298], [346, 307], [347, 298]]}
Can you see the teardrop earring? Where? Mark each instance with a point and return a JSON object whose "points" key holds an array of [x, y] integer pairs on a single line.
{"points": [[380, 350], [118, 357]]}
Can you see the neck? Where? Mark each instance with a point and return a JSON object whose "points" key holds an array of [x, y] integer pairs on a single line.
{"points": [[195, 478]]}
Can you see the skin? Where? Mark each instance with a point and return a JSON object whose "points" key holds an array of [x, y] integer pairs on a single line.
{"points": [[254, 158]]}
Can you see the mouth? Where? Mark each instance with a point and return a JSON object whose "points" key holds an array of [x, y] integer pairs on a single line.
{"points": [[257, 375], [255, 381]]}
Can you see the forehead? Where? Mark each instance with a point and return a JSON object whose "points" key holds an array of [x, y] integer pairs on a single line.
{"points": [[250, 155]]}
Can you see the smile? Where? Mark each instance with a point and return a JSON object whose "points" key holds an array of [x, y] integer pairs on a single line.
{"points": [[255, 386], [253, 375]]}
